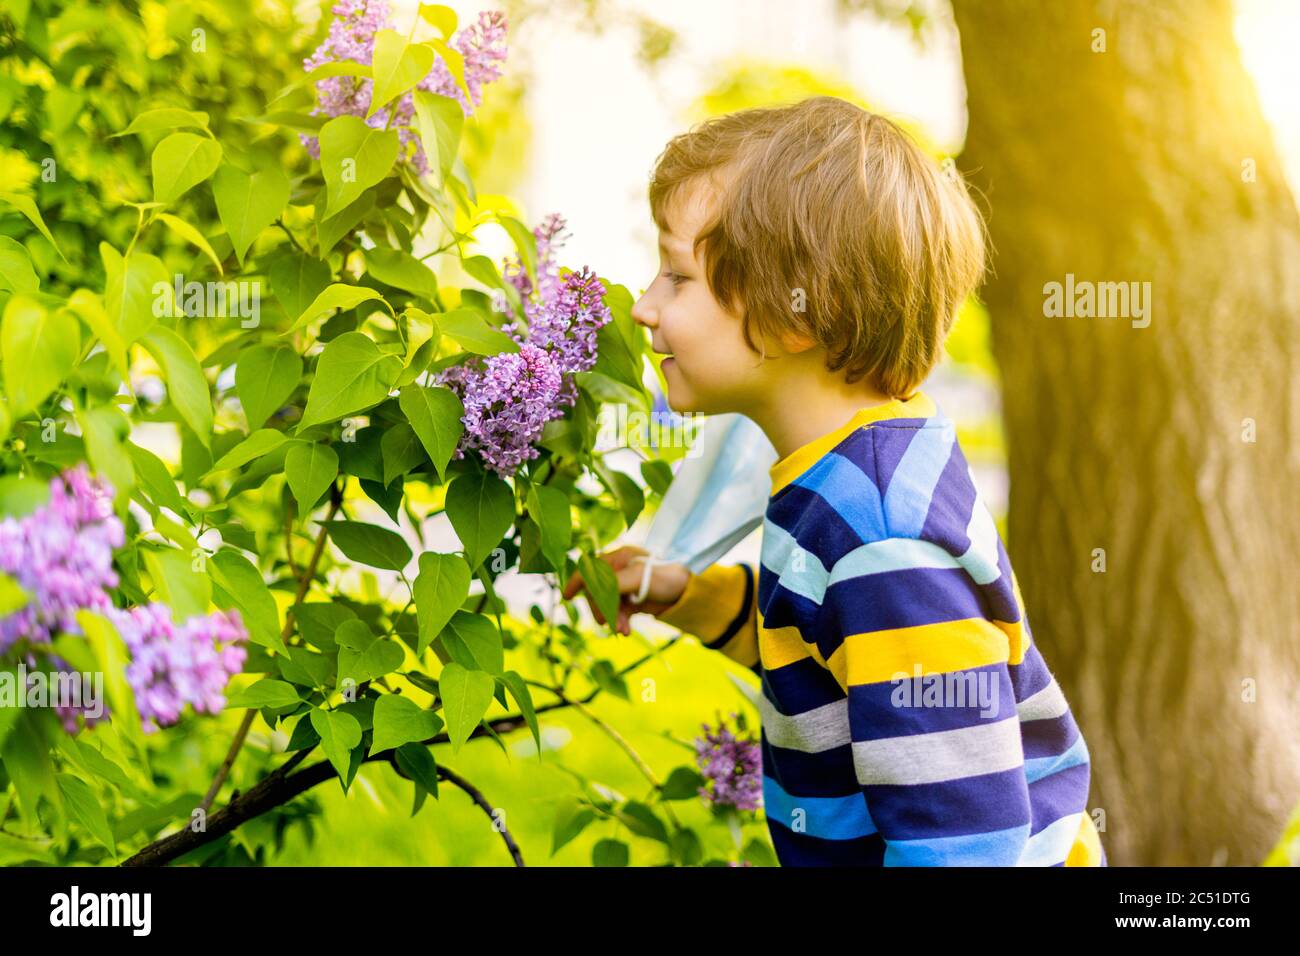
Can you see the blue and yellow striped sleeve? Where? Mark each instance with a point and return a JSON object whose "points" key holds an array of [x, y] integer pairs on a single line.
{"points": [[719, 606], [933, 721]]}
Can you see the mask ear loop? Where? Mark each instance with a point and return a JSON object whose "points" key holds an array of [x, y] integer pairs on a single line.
{"points": [[648, 561]]}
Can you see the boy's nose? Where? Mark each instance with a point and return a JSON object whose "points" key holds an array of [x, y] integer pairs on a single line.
{"points": [[643, 313]]}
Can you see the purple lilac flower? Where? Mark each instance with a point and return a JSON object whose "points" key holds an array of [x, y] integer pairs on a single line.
{"points": [[173, 666], [352, 37], [508, 400], [732, 767], [549, 239], [67, 713], [562, 317], [567, 326], [62, 555]]}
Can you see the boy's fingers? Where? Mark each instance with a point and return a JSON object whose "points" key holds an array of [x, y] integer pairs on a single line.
{"points": [[572, 587]]}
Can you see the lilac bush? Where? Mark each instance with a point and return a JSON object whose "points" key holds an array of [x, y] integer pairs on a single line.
{"points": [[352, 37]]}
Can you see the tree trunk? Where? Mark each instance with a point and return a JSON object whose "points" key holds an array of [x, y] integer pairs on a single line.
{"points": [[1175, 447]]}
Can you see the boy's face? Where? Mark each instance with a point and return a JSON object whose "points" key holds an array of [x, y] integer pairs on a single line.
{"points": [[711, 369]]}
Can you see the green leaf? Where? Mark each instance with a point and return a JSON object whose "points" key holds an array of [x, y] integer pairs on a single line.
{"points": [[466, 695], [440, 589], [332, 227], [177, 583], [355, 634], [524, 241], [353, 157], [246, 590], [642, 821], [319, 620], [339, 733], [249, 202], [333, 68], [12, 596], [261, 442], [310, 469], [296, 280], [401, 270], [40, 351], [336, 296], [471, 331], [402, 451], [380, 657], [455, 61], [84, 807], [156, 480], [474, 641], [658, 474], [682, 784], [104, 430], [152, 120], [396, 66], [265, 377], [180, 162], [26, 758], [549, 507], [602, 585], [16, 273], [191, 235], [399, 720], [27, 207], [439, 121], [609, 852], [416, 761], [377, 547], [441, 18], [111, 653], [481, 509], [90, 309], [187, 388], [351, 374], [435, 414], [266, 693], [524, 698], [571, 819], [135, 286]]}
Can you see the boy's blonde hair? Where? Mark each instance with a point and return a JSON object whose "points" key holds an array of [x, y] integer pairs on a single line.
{"points": [[825, 197]]}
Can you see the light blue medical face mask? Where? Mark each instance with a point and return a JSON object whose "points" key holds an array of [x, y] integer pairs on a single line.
{"points": [[719, 496]]}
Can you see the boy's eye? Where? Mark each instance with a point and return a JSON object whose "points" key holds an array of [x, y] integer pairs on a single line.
{"points": [[675, 278]]}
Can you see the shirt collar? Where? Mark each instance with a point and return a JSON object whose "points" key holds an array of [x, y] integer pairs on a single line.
{"points": [[919, 405]]}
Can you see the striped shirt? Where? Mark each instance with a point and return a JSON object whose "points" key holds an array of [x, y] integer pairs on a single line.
{"points": [[908, 718]]}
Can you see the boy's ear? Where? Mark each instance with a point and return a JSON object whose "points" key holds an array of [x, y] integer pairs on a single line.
{"points": [[794, 342]]}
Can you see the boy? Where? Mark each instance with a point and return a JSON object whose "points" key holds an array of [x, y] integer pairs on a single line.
{"points": [[812, 262]]}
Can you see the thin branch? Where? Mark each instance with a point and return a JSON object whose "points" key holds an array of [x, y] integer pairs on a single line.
{"points": [[477, 796], [304, 584], [278, 787]]}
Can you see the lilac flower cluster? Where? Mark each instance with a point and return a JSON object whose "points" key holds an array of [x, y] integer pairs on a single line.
{"points": [[510, 397], [352, 37], [172, 666], [62, 556], [732, 766]]}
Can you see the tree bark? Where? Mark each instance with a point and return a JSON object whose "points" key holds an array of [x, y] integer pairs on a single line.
{"points": [[1133, 165]]}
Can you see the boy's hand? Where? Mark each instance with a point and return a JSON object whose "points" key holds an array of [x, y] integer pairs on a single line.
{"points": [[667, 582]]}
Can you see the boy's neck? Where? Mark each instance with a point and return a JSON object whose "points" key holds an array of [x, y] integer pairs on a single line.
{"points": [[802, 409]]}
